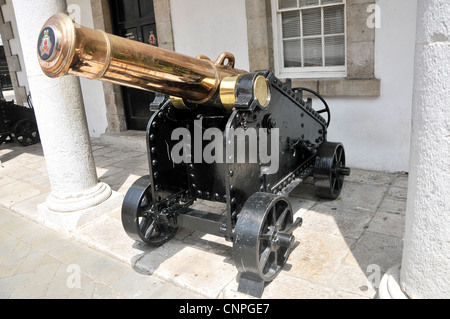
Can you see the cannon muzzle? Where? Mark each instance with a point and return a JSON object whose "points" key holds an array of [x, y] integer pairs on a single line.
{"points": [[67, 48]]}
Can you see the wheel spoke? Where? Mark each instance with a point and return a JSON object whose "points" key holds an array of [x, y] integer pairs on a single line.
{"points": [[275, 259], [335, 180], [274, 215], [338, 155], [150, 229], [340, 183], [282, 218], [335, 159], [322, 111], [264, 258], [143, 224], [145, 205]]}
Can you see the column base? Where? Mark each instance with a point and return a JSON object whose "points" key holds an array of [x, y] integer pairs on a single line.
{"points": [[75, 202], [69, 222], [390, 285]]}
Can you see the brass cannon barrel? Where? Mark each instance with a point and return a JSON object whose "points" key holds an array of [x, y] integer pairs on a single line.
{"points": [[67, 48]]}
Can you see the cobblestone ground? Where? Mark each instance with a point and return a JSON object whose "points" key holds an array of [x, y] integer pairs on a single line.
{"points": [[343, 247]]}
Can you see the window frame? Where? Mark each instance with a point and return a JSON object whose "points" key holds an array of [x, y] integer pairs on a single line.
{"points": [[304, 72]]}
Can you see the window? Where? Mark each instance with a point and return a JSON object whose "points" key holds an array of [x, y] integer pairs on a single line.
{"points": [[310, 38]]}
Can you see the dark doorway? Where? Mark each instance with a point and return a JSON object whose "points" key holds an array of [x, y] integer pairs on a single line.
{"points": [[5, 80], [135, 19]]}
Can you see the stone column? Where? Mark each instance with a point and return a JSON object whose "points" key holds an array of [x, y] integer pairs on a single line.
{"points": [[425, 269], [61, 119]]}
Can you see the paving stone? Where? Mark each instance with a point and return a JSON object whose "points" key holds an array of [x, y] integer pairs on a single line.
{"points": [[398, 192], [107, 234], [317, 256], [188, 267], [19, 228], [388, 223], [284, 287], [298, 289], [92, 263], [359, 196], [8, 245], [41, 237], [121, 182], [338, 221], [104, 172], [401, 181], [182, 233], [6, 218], [376, 249], [370, 177], [8, 284], [16, 192], [112, 273], [84, 291], [305, 191], [159, 291], [27, 207], [46, 270], [300, 206], [7, 271], [28, 265], [353, 279], [132, 162], [393, 205], [71, 256], [57, 288], [31, 291], [102, 291], [3, 235], [341, 294], [210, 243], [59, 249], [133, 285], [16, 257], [102, 151]]}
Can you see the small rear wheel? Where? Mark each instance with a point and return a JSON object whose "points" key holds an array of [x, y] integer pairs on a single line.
{"points": [[141, 221], [330, 170], [26, 132]]}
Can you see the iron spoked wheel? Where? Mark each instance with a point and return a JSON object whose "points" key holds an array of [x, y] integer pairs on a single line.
{"points": [[325, 112], [4, 138], [26, 132], [263, 236], [139, 219], [329, 170]]}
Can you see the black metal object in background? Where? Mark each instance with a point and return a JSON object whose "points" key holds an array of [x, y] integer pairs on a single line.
{"points": [[259, 218], [18, 123], [5, 79]]}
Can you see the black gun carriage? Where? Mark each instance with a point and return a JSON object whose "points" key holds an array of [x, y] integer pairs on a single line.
{"points": [[18, 123]]}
